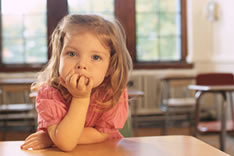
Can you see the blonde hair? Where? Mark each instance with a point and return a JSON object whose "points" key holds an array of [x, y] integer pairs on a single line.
{"points": [[109, 33]]}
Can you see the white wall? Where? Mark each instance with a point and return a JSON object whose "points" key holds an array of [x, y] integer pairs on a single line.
{"points": [[211, 46]]}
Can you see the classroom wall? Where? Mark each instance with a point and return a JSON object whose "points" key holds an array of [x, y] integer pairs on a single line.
{"points": [[211, 45]]}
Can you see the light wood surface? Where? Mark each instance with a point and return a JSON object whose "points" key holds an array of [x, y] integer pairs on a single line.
{"points": [[134, 93], [218, 88], [16, 81], [138, 146]]}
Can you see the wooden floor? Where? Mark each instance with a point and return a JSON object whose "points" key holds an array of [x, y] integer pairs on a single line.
{"points": [[210, 139]]}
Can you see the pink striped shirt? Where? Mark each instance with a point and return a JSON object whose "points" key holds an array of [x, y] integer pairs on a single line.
{"points": [[52, 107]]}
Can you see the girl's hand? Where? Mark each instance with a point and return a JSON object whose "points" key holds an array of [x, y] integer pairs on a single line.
{"points": [[38, 140], [78, 85]]}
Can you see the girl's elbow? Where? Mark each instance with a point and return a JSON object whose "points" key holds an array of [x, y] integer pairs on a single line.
{"points": [[66, 147], [64, 144]]}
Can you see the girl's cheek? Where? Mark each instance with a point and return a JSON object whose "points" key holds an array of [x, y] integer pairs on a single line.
{"points": [[63, 75]]}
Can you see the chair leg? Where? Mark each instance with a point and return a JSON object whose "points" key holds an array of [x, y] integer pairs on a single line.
{"points": [[4, 130], [191, 123], [165, 124]]}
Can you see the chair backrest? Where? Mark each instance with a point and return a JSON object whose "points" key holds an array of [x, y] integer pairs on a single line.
{"points": [[13, 94], [215, 79], [176, 86]]}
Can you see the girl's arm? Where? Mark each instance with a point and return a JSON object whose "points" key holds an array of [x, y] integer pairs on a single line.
{"points": [[91, 135], [41, 139], [70, 131], [66, 134]]}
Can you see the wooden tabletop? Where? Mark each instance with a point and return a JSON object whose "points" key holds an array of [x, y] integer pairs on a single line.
{"points": [[138, 146], [16, 81], [212, 88], [135, 93]]}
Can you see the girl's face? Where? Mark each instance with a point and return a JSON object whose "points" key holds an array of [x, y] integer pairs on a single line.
{"points": [[85, 55]]}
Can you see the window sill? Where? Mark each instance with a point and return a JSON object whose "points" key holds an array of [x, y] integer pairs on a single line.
{"points": [[168, 65], [21, 68]]}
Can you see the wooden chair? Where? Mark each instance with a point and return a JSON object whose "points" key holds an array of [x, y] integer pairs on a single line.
{"points": [[214, 79], [176, 99], [16, 113]]}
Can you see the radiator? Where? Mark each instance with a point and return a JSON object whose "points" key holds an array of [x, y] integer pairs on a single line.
{"points": [[149, 84]]}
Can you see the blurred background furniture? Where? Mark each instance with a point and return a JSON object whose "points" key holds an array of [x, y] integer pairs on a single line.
{"points": [[17, 111], [215, 83], [177, 102]]}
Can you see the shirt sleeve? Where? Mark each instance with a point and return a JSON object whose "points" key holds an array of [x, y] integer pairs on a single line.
{"points": [[115, 118], [50, 106]]}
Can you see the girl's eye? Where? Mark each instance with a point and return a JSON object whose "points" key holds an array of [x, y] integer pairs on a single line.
{"points": [[71, 53], [96, 57]]}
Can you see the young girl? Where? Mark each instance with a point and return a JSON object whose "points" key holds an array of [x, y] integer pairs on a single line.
{"points": [[82, 96]]}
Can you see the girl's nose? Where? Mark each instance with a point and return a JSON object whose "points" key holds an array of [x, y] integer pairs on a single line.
{"points": [[81, 65]]}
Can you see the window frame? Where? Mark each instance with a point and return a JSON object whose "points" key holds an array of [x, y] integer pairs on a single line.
{"points": [[121, 9]]}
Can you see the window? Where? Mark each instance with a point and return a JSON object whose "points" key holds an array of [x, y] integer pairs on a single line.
{"points": [[24, 33], [155, 29], [92, 7], [158, 30]]}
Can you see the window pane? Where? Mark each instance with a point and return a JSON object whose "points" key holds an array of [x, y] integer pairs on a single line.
{"points": [[13, 51], [168, 24], [39, 45], [147, 5], [169, 49], [171, 6], [24, 31], [158, 26], [147, 49], [101, 7], [147, 25], [12, 26]]}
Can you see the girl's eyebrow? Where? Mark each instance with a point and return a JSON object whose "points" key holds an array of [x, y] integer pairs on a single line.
{"points": [[70, 47], [100, 52]]}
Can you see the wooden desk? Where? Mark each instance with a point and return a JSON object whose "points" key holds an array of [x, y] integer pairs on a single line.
{"points": [[10, 109], [134, 93], [223, 90], [176, 99], [16, 81], [141, 146]]}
